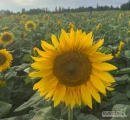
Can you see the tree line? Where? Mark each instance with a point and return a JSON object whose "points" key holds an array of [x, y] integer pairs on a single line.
{"points": [[125, 6]]}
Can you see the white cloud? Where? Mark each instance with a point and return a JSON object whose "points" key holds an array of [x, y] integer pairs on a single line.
{"points": [[23, 2]]}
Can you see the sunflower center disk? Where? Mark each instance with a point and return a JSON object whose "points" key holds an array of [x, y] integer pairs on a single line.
{"points": [[6, 38], [2, 59], [72, 68], [30, 25]]}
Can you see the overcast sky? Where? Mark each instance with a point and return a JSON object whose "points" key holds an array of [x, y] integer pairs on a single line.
{"points": [[17, 5]]}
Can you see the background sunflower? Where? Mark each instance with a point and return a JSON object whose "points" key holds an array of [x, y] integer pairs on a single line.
{"points": [[6, 38], [30, 25], [5, 59]]}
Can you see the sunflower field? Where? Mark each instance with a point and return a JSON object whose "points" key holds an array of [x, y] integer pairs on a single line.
{"points": [[67, 66]]}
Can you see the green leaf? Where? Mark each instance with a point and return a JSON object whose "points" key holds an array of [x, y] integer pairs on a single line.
{"points": [[89, 117], [27, 80], [35, 98], [105, 50], [123, 71], [128, 94], [26, 51], [20, 67], [127, 53], [125, 109], [24, 117], [4, 108], [122, 78], [44, 114], [27, 57]]}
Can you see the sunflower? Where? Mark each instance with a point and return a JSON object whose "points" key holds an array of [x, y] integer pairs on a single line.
{"points": [[98, 26], [6, 38], [73, 71], [59, 23], [21, 22], [24, 16], [30, 25], [5, 59], [119, 49], [71, 25], [22, 35], [2, 83], [121, 16], [46, 17]]}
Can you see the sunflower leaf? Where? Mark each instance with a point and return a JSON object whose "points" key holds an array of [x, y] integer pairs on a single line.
{"points": [[123, 71], [45, 114], [35, 98], [4, 108]]}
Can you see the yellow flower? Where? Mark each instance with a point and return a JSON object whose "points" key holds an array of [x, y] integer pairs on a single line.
{"points": [[119, 49], [59, 23], [5, 59], [72, 71], [121, 16], [24, 16], [2, 83], [117, 54], [35, 49], [46, 17], [98, 26], [30, 25], [120, 46], [22, 35], [21, 22], [6, 38], [71, 25]]}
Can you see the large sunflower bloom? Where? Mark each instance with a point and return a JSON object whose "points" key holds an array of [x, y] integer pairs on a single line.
{"points": [[73, 71], [5, 59], [30, 25], [6, 38]]}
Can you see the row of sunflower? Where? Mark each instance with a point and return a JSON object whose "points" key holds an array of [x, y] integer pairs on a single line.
{"points": [[68, 67]]}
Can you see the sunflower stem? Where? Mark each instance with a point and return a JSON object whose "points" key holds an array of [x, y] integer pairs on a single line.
{"points": [[70, 113]]}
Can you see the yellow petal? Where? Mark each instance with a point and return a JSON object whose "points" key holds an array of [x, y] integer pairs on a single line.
{"points": [[94, 47], [86, 97], [100, 57], [42, 93], [68, 96], [103, 75], [64, 41], [41, 65], [50, 93], [104, 66], [42, 73], [73, 100], [87, 41], [72, 38], [48, 84], [37, 85], [110, 89], [77, 39], [43, 54], [97, 83], [56, 42], [47, 47], [59, 94], [39, 59], [93, 91]]}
